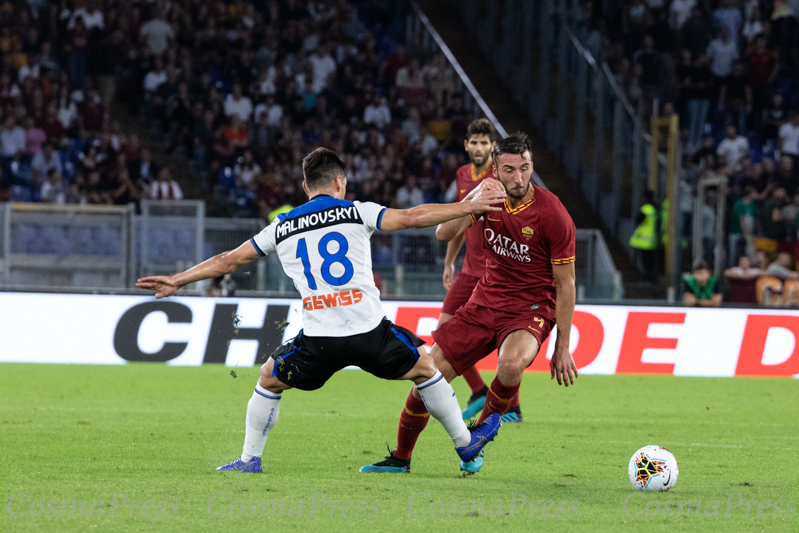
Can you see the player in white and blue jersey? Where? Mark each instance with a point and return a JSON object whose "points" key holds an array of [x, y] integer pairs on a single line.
{"points": [[323, 246]]}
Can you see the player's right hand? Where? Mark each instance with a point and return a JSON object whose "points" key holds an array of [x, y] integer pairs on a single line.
{"points": [[449, 275], [486, 197], [163, 285]]}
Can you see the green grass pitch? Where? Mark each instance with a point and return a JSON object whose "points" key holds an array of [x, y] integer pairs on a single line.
{"points": [[146, 438]]}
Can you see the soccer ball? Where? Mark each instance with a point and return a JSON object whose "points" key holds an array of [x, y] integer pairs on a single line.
{"points": [[653, 468]]}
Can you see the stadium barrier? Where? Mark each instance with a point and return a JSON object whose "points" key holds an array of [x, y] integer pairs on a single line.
{"points": [[110, 329], [108, 247]]}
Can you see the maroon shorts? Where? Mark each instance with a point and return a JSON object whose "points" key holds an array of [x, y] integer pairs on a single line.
{"points": [[475, 331], [459, 293]]}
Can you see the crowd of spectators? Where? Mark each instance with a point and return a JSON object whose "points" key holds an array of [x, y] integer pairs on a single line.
{"points": [[242, 91], [730, 70], [58, 142], [238, 90]]}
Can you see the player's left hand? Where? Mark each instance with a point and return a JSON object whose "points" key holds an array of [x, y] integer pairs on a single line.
{"points": [[449, 275], [562, 366], [486, 197], [163, 285]]}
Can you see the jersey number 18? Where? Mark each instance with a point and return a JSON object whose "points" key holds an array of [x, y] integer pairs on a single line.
{"points": [[340, 256]]}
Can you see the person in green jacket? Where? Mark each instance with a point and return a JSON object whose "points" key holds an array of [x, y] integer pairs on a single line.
{"points": [[645, 237], [702, 289]]}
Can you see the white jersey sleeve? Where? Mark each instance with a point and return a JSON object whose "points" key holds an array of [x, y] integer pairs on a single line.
{"points": [[266, 242], [371, 214]]}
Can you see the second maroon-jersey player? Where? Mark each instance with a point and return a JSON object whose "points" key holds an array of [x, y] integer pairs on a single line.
{"points": [[479, 144], [528, 289]]}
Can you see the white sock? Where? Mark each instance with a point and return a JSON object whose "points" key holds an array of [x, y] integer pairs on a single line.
{"points": [[262, 412], [439, 398]]}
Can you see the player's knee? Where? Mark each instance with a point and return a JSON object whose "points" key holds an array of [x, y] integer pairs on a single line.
{"points": [[511, 365], [425, 366]]}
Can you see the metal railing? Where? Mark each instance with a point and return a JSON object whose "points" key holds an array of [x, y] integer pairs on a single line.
{"points": [[419, 29], [574, 100], [72, 246], [75, 246]]}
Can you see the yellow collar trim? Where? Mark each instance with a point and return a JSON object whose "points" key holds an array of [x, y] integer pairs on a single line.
{"points": [[514, 210], [476, 177]]}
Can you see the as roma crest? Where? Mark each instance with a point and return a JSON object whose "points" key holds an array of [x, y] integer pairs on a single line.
{"points": [[527, 232]]}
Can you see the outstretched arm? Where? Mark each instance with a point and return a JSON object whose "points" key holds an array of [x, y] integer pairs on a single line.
{"points": [[219, 265], [562, 365], [486, 197]]}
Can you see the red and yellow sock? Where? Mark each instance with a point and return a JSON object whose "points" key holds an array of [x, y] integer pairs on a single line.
{"points": [[413, 420], [498, 399]]}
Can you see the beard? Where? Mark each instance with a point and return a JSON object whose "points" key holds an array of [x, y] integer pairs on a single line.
{"points": [[481, 157], [518, 192]]}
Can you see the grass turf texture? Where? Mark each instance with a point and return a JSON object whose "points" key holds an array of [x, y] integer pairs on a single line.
{"points": [[156, 433]]}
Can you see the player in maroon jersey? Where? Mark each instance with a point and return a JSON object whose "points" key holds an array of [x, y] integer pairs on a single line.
{"points": [[528, 288], [478, 144]]}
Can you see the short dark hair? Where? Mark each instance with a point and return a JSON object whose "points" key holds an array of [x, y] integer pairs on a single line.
{"points": [[701, 265], [481, 126], [320, 167], [517, 143]]}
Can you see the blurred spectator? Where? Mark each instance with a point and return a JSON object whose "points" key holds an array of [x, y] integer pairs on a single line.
{"points": [[12, 138], [157, 34], [46, 160], [771, 215], [53, 189], [323, 67], [165, 188], [733, 148], [727, 15], [744, 270], [409, 195], [239, 105], [742, 225], [721, 52], [786, 176], [651, 64], [709, 229], [782, 267], [701, 289], [789, 137], [789, 215]]}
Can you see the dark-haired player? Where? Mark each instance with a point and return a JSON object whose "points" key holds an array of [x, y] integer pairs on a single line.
{"points": [[527, 289], [323, 246], [479, 144]]}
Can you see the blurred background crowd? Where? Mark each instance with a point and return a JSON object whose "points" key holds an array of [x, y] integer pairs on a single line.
{"points": [[238, 91], [730, 70]]}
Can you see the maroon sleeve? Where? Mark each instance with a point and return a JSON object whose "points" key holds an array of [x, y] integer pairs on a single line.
{"points": [[560, 234], [459, 175]]}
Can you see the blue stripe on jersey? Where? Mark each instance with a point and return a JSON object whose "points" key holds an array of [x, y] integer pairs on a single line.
{"points": [[257, 249], [318, 203], [380, 218]]}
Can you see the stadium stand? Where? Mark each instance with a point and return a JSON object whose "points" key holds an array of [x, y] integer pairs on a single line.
{"points": [[730, 70], [239, 90]]}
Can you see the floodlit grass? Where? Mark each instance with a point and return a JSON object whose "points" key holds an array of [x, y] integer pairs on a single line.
{"points": [[145, 439]]}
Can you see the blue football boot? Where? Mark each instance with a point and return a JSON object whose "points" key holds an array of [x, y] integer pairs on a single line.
{"points": [[482, 434], [253, 466], [474, 465]]}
